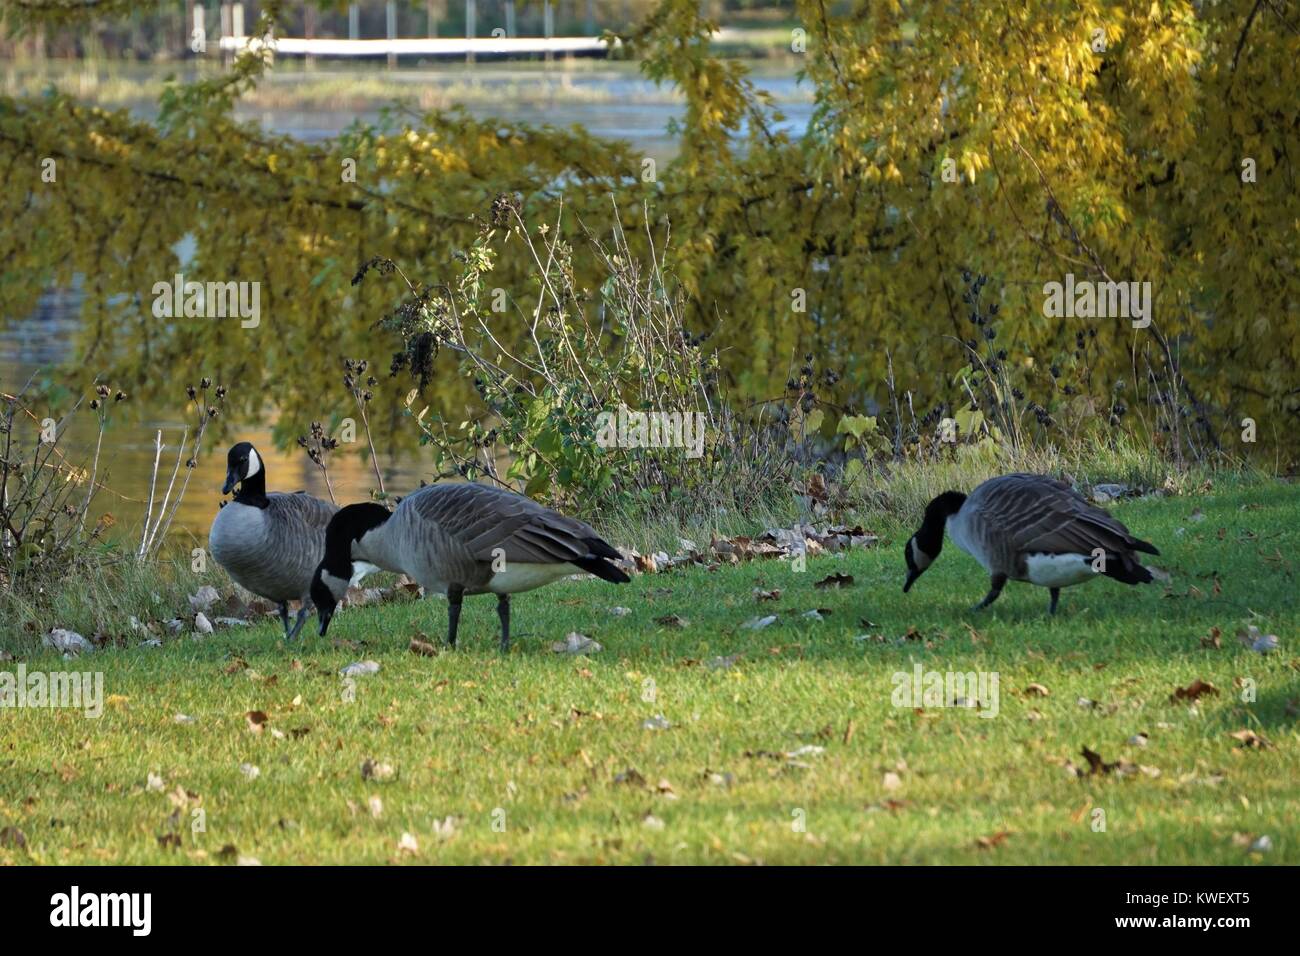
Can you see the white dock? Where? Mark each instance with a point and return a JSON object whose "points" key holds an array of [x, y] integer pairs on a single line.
{"points": [[432, 46]]}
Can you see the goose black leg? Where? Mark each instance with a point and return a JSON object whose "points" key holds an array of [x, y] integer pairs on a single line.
{"points": [[284, 617], [455, 594], [503, 612], [995, 588], [298, 622], [1056, 596]]}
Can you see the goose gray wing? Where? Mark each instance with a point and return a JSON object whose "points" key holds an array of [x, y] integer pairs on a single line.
{"points": [[483, 519], [1040, 515], [301, 511], [296, 540]]}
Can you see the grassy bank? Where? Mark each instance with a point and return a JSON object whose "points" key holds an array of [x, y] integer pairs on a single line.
{"points": [[777, 745]]}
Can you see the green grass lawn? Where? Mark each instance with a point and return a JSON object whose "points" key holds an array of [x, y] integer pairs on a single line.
{"points": [[540, 757]]}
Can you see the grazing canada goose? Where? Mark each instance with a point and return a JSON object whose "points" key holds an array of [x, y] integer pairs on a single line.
{"points": [[270, 544], [461, 539], [1028, 528]]}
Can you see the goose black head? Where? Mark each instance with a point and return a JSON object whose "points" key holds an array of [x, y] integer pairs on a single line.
{"points": [[242, 464], [330, 583], [327, 591], [924, 546]]}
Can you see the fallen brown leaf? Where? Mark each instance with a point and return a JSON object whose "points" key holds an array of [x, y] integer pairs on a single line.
{"points": [[989, 842], [422, 647], [1193, 691], [836, 580], [1251, 740]]}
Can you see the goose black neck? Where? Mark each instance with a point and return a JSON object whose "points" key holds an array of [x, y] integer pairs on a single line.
{"points": [[937, 512], [348, 525], [252, 490]]}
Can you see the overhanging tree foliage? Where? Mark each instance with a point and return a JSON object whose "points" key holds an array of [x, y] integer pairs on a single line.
{"points": [[1134, 141]]}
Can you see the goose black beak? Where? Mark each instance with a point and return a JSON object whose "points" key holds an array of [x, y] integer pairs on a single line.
{"points": [[911, 579], [231, 480]]}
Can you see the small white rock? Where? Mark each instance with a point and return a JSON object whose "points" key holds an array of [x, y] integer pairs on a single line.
{"points": [[575, 643], [807, 750], [68, 642], [1263, 845], [360, 669], [249, 771], [204, 598], [201, 624], [620, 611], [657, 722]]}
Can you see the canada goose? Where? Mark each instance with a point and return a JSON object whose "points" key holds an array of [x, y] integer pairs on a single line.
{"points": [[269, 544], [1028, 528], [461, 539]]}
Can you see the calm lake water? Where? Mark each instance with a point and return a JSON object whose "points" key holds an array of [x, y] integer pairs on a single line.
{"points": [[610, 99]]}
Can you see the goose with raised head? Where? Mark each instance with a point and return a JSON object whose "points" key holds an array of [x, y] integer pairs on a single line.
{"points": [[1028, 528], [269, 544], [458, 539]]}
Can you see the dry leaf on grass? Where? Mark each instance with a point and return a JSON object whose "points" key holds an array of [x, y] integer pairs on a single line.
{"points": [[836, 580], [1258, 642], [1251, 740], [1194, 691], [422, 647], [997, 839], [374, 770]]}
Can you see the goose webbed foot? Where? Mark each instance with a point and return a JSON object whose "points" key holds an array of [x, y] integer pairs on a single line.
{"points": [[454, 597], [1056, 596], [995, 588], [503, 612]]}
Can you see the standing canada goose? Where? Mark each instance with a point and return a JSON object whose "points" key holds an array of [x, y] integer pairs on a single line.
{"points": [[269, 544], [1028, 528], [461, 539]]}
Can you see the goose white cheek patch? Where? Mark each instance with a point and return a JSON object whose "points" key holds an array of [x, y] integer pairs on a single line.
{"points": [[338, 586], [254, 463]]}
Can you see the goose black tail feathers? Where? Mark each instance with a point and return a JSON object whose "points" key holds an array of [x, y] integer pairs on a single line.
{"points": [[596, 562], [1126, 569]]}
